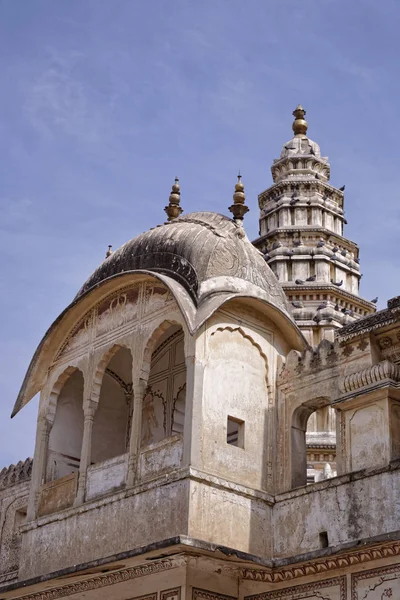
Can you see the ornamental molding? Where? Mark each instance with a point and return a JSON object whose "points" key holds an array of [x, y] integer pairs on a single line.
{"points": [[383, 371], [321, 566], [378, 320], [298, 591], [199, 594], [102, 581]]}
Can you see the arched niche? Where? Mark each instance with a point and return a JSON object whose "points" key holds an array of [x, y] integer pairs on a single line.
{"points": [[65, 440], [313, 434], [111, 426], [163, 410]]}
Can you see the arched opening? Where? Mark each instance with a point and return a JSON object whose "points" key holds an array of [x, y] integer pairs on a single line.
{"points": [[65, 440], [112, 420], [313, 443], [163, 409], [321, 444]]}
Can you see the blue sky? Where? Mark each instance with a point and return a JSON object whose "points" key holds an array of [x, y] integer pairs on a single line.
{"points": [[104, 101]]}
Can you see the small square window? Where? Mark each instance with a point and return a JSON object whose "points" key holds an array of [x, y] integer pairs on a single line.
{"points": [[323, 539], [235, 432]]}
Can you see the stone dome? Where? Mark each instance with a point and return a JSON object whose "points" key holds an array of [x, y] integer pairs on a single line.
{"points": [[203, 251], [300, 144]]}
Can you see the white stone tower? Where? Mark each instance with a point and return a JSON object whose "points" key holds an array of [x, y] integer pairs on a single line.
{"points": [[301, 237]]}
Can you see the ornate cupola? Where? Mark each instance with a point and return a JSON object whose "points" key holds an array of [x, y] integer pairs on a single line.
{"points": [[301, 237]]}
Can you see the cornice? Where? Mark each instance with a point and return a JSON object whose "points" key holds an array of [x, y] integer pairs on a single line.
{"points": [[304, 229], [317, 184], [378, 320], [318, 288], [323, 566]]}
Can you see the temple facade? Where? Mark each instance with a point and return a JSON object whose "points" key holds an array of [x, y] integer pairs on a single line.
{"points": [[218, 419]]}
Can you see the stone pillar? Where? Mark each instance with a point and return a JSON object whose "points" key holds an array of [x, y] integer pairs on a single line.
{"points": [[39, 465], [282, 270], [89, 410], [284, 217], [316, 216], [322, 269], [139, 390], [193, 427]]}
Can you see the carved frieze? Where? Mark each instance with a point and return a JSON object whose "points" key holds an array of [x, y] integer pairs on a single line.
{"points": [[114, 313], [329, 589], [199, 594], [104, 580], [331, 563]]}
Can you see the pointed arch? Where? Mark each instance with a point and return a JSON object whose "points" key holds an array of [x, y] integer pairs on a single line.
{"points": [[100, 369]]}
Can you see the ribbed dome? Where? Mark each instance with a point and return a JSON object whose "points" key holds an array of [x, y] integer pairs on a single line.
{"points": [[193, 249]]}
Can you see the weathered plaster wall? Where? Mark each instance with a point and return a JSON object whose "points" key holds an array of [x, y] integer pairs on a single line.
{"points": [[228, 516], [347, 508], [105, 527]]}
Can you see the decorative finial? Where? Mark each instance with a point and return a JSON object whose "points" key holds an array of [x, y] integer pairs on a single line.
{"points": [[173, 209], [238, 208], [300, 125], [109, 251]]}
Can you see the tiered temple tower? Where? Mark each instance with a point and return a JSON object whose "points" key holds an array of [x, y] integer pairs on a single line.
{"points": [[301, 237]]}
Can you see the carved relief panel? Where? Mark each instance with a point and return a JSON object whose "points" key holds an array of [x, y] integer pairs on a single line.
{"points": [[115, 316], [377, 584]]}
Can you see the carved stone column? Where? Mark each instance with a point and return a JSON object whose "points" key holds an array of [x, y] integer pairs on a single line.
{"points": [[136, 429], [89, 410], [39, 465]]}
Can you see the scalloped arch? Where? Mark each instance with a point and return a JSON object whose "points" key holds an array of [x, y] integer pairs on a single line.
{"points": [[251, 340]]}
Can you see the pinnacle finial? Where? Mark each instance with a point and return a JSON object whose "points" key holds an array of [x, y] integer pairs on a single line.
{"points": [[109, 251], [238, 208], [173, 209], [300, 125]]}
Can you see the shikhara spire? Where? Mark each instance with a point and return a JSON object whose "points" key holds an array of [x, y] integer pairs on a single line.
{"points": [[301, 236]]}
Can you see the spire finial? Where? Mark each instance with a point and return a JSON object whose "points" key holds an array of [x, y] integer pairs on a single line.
{"points": [[109, 251], [300, 125], [173, 209], [238, 208]]}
